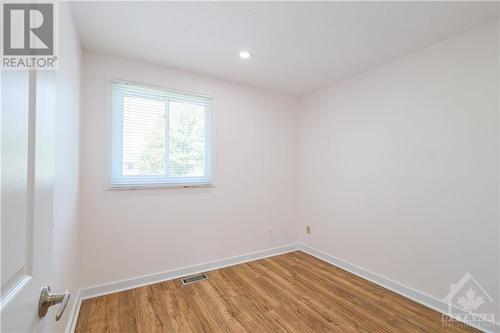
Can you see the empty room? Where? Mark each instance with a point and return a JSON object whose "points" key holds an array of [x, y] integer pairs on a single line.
{"points": [[204, 166]]}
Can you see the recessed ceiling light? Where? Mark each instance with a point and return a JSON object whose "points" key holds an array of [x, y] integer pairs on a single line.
{"points": [[245, 54]]}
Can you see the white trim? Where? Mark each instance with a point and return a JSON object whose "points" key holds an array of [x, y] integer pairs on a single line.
{"points": [[159, 186], [408, 292], [73, 315], [140, 281], [108, 132], [163, 89], [10, 294], [405, 291]]}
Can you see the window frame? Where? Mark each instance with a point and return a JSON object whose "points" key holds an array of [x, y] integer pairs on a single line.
{"points": [[114, 142]]}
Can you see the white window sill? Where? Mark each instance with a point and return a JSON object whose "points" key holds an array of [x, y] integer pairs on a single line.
{"points": [[157, 186]]}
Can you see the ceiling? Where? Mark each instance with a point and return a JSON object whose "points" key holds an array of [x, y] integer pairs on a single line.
{"points": [[298, 47]]}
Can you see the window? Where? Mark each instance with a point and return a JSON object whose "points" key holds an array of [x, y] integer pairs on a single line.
{"points": [[159, 138]]}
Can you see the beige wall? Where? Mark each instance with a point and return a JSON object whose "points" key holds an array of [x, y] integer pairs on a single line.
{"points": [[130, 233], [400, 167]]}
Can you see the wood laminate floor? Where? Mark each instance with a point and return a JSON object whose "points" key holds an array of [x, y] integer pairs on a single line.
{"points": [[293, 292]]}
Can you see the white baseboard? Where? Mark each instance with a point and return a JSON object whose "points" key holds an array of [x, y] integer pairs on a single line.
{"points": [[113, 287], [140, 281], [396, 287]]}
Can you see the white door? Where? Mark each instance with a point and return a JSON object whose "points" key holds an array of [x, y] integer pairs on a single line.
{"points": [[27, 149]]}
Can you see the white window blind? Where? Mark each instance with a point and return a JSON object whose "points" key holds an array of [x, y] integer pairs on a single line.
{"points": [[159, 138]]}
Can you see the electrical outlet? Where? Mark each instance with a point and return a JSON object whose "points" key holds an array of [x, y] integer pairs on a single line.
{"points": [[270, 232], [308, 229]]}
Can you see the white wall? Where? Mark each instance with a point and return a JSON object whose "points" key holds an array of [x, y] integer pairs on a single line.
{"points": [[130, 233], [67, 124], [400, 166]]}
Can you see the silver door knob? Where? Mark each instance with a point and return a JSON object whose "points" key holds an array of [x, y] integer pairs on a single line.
{"points": [[47, 299]]}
